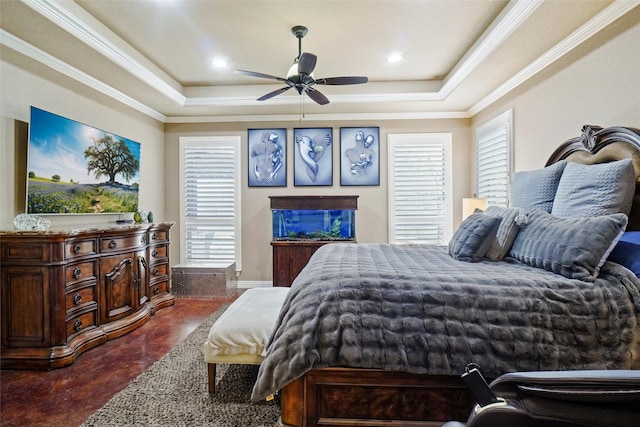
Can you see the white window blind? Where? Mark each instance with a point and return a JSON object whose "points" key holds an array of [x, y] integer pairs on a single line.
{"points": [[493, 141], [420, 188], [210, 219]]}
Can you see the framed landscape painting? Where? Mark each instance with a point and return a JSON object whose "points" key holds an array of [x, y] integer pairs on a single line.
{"points": [[267, 160], [74, 168], [313, 156], [360, 156]]}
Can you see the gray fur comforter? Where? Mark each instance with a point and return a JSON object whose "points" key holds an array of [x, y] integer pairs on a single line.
{"points": [[413, 308]]}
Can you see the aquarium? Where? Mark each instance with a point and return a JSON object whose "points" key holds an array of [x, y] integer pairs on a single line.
{"points": [[315, 224]]}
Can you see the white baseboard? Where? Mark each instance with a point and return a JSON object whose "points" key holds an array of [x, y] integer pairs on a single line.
{"points": [[247, 284]]}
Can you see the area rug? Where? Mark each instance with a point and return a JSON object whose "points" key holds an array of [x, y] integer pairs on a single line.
{"points": [[173, 392]]}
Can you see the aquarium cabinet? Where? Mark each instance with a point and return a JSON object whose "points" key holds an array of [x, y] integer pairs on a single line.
{"points": [[301, 224]]}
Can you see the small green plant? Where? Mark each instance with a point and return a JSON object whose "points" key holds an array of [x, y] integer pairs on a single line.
{"points": [[334, 231]]}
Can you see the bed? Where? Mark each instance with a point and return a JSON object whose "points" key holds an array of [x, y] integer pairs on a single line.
{"points": [[377, 334]]}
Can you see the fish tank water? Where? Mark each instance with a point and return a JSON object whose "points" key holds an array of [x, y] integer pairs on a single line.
{"points": [[315, 218], [294, 224]]}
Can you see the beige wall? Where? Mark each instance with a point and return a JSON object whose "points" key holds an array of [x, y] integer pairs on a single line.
{"points": [[371, 217], [25, 83], [597, 84]]}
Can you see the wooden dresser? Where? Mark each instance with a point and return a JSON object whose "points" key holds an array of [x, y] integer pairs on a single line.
{"points": [[66, 291]]}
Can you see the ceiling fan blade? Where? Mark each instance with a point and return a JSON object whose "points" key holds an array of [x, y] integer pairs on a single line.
{"points": [[261, 75], [317, 96], [307, 63], [351, 80], [274, 93]]}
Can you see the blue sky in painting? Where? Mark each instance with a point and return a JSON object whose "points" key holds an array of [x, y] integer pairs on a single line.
{"points": [[57, 144]]}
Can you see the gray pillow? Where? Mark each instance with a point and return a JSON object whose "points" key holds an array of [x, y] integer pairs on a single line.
{"points": [[573, 247], [536, 189], [474, 237], [511, 221], [594, 190]]}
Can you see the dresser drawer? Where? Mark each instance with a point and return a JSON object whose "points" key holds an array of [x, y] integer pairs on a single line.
{"points": [[159, 288], [80, 272], [118, 244], [79, 248], [158, 253], [77, 298], [159, 236], [158, 270], [81, 322]]}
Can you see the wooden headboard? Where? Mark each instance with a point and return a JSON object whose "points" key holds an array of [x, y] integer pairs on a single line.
{"points": [[598, 145]]}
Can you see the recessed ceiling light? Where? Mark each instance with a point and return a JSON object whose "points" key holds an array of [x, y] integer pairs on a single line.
{"points": [[219, 63], [396, 57]]}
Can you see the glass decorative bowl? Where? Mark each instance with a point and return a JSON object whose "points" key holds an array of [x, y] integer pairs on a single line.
{"points": [[26, 222]]}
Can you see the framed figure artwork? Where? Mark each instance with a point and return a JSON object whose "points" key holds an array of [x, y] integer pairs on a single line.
{"points": [[359, 156], [313, 157], [267, 157]]}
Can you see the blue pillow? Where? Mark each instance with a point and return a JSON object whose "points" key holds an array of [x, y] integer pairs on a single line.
{"points": [[627, 252], [594, 190], [475, 236], [573, 247], [536, 189]]}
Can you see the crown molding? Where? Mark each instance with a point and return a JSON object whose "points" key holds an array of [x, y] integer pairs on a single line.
{"points": [[74, 25], [321, 117], [20, 46], [593, 26], [511, 18]]}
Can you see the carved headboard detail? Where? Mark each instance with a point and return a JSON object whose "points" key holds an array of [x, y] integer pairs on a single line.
{"points": [[598, 145]]}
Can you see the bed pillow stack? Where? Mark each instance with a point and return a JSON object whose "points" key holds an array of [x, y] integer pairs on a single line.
{"points": [[576, 233]]}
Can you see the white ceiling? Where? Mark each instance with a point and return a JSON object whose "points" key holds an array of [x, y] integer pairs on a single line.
{"points": [[154, 55]]}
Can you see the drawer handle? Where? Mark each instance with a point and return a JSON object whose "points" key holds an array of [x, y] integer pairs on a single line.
{"points": [[156, 271], [156, 290], [77, 325], [155, 252], [77, 298], [154, 236], [112, 244], [77, 273], [76, 249], [143, 239]]}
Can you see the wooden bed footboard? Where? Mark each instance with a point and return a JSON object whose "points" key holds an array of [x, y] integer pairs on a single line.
{"points": [[369, 397]]}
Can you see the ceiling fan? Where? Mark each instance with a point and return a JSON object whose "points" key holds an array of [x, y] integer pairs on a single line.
{"points": [[300, 74]]}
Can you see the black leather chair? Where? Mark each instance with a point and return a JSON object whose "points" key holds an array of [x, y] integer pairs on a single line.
{"points": [[595, 398]]}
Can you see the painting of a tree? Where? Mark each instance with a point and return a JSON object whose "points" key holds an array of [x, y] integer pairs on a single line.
{"points": [[110, 158], [74, 168]]}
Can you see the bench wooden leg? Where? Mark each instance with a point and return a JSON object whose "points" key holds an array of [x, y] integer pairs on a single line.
{"points": [[211, 374]]}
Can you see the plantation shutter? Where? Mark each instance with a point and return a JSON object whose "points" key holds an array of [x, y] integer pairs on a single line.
{"points": [[211, 208], [494, 160], [419, 188]]}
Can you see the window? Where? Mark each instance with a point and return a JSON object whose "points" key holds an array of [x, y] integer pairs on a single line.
{"points": [[420, 186], [210, 200], [493, 142]]}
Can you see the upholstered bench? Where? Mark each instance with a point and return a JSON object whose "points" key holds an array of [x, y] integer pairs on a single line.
{"points": [[241, 333]]}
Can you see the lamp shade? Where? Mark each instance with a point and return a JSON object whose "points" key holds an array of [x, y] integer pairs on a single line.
{"points": [[470, 204]]}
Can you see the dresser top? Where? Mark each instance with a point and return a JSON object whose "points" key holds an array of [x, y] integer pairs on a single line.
{"points": [[68, 230]]}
